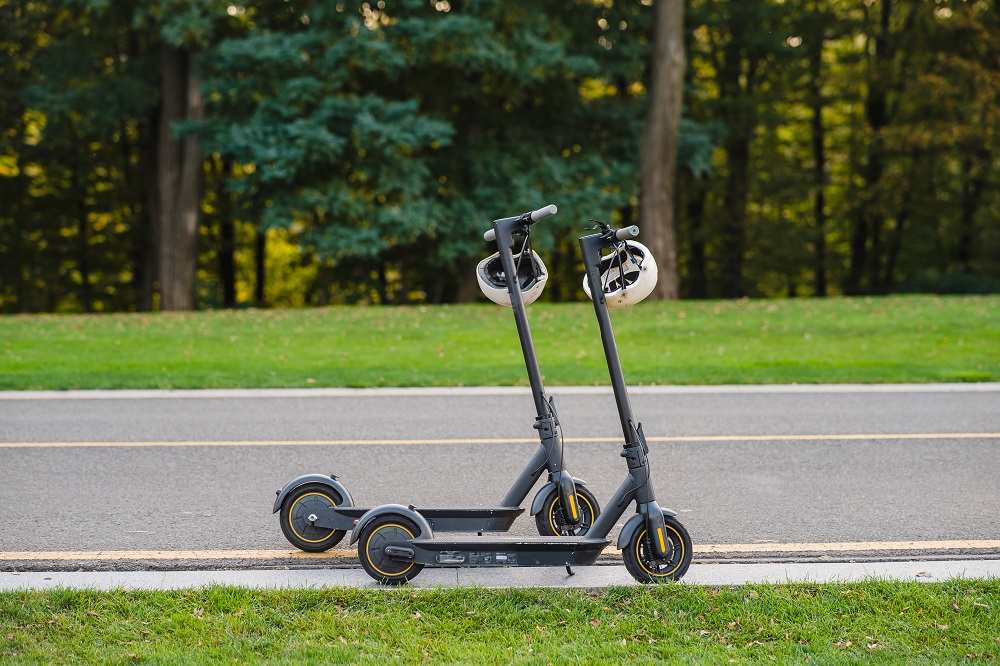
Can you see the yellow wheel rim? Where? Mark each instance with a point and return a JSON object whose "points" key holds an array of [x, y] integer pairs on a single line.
{"points": [[638, 557], [368, 543]]}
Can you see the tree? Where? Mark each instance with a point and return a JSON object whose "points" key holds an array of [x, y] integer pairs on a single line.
{"points": [[660, 142]]}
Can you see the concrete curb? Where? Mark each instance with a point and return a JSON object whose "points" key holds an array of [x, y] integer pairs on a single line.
{"points": [[585, 577]]}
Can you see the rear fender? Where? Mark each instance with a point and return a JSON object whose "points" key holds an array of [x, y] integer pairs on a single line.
{"points": [[392, 509], [331, 481]]}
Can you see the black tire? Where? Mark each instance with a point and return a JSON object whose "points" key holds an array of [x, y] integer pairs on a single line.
{"points": [[551, 520], [637, 554], [387, 528], [295, 510]]}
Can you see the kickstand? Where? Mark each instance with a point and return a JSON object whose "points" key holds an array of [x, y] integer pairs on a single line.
{"points": [[569, 570]]}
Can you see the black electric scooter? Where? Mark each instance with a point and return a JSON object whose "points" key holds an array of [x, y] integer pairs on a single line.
{"points": [[396, 542], [317, 510]]}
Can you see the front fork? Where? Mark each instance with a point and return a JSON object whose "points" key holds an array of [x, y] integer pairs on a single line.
{"points": [[659, 544], [551, 436]]}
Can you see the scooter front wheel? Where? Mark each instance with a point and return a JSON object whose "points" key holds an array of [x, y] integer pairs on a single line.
{"points": [[551, 520], [384, 530], [296, 525], [639, 560]]}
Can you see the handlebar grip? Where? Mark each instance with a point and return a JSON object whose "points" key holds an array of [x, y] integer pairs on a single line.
{"points": [[542, 213], [490, 236], [626, 233]]}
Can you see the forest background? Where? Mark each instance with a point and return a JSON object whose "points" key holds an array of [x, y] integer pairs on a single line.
{"points": [[202, 154]]}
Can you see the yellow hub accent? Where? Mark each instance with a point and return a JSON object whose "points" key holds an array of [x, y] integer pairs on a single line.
{"points": [[291, 512], [552, 511]]}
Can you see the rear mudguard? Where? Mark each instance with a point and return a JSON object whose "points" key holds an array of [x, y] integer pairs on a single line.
{"points": [[331, 481], [392, 509], [543, 492], [635, 523]]}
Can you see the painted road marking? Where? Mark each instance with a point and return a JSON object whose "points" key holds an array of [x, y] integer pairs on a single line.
{"points": [[733, 548], [569, 440]]}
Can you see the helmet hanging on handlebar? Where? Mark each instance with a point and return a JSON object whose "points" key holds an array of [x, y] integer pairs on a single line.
{"points": [[628, 275], [531, 277]]}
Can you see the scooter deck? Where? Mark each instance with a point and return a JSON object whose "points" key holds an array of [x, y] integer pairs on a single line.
{"points": [[520, 551], [495, 519]]}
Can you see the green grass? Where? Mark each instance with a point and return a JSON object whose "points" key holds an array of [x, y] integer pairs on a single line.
{"points": [[869, 340], [872, 622]]}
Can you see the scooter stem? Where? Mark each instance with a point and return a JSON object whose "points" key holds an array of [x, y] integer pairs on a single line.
{"points": [[591, 247], [505, 230]]}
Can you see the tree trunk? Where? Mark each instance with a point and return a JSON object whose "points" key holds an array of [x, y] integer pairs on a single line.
{"points": [[867, 232], [260, 255], [659, 144], [815, 46], [734, 216], [975, 169], [227, 261], [179, 180], [697, 193], [227, 238]]}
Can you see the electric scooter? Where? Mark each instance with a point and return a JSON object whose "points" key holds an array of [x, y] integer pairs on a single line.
{"points": [[317, 510], [396, 542]]}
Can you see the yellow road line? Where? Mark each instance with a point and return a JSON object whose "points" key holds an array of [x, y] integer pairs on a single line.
{"points": [[733, 548], [568, 440]]}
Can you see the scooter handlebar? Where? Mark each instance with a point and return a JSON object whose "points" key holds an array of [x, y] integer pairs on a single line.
{"points": [[626, 233], [532, 217], [542, 213]]}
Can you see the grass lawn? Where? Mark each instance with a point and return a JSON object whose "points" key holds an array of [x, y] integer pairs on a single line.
{"points": [[869, 340], [871, 623]]}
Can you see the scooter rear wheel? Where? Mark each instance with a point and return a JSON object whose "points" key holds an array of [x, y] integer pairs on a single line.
{"points": [[376, 534], [551, 520], [294, 517], [638, 554]]}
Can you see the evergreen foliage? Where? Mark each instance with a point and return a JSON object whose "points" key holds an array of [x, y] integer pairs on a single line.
{"points": [[355, 151]]}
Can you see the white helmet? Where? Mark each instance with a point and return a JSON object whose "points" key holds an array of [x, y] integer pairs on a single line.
{"points": [[628, 275], [531, 277]]}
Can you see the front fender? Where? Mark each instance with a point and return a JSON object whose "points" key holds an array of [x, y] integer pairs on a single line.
{"points": [[543, 492], [634, 523], [391, 509], [331, 481]]}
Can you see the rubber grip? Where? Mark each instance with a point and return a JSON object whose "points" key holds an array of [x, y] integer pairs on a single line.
{"points": [[490, 236], [543, 213], [627, 232]]}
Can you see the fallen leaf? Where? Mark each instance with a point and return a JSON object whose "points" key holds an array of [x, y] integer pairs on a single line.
{"points": [[623, 642], [942, 627], [595, 623], [979, 605], [342, 640], [417, 615], [843, 645], [924, 574], [873, 646], [10, 637], [955, 606], [198, 612], [92, 613]]}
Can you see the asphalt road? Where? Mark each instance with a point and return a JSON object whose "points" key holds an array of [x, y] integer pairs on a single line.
{"points": [[784, 486]]}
